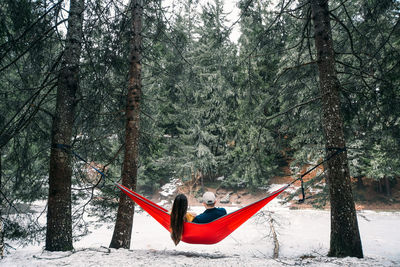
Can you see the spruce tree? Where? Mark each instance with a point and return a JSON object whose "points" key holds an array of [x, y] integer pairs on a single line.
{"points": [[345, 236], [59, 221], [29, 57], [123, 225]]}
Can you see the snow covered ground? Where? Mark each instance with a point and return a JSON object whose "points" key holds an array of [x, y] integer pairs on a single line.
{"points": [[303, 238]]}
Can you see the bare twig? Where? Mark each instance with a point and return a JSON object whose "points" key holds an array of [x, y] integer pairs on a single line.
{"points": [[274, 236], [28, 28], [294, 107], [293, 67], [42, 37]]}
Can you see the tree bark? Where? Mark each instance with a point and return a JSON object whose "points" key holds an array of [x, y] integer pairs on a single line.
{"points": [[379, 186], [387, 187], [360, 183], [1, 214], [345, 236], [123, 226], [59, 221]]}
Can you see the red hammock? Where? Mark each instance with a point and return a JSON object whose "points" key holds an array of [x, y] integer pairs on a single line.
{"points": [[208, 233]]}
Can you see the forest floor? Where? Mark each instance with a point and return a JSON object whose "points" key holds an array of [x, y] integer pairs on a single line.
{"points": [[302, 236], [302, 233]]}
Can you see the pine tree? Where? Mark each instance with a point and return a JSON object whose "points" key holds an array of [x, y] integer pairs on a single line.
{"points": [[1, 211], [29, 55], [258, 141], [123, 226], [366, 63], [345, 236], [59, 221]]}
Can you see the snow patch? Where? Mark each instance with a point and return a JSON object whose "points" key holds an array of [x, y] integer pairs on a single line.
{"points": [[221, 178], [170, 188]]}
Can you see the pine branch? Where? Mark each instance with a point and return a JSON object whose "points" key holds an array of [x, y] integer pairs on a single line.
{"points": [[291, 68], [114, 157], [350, 37], [42, 37], [6, 135], [266, 31], [294, 107], [44, 110], [27, 29]]}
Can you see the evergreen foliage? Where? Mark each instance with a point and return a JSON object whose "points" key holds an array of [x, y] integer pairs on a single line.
{"points": [[211, 108]]}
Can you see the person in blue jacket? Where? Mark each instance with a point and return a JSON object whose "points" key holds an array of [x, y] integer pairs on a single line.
{"points": [[211, 213]]}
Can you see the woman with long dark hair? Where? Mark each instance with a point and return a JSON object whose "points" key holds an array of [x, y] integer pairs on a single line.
{"points": [[179, 215]]}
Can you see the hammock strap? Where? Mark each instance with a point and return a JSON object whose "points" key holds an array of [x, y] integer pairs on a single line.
{"points": [[68, 149], [338, 150], [302, 191]]}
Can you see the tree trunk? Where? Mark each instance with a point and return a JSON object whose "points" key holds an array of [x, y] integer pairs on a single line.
{"points": [[345, 236], [360, 183], [123, 226], [387, 186], [1, 215], [378, 186], [59, 221]]}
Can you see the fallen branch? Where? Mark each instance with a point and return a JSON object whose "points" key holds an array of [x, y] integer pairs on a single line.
{"points": [[69, 253], [54, 258]]}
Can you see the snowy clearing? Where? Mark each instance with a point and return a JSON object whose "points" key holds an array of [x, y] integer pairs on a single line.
{"points": [[303, 237]]}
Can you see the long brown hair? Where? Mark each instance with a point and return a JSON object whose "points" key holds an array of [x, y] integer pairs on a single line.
{"points": [[178, 213]]}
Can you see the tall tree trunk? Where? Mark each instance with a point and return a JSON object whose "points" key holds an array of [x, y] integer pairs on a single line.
{"points": [[59, 221], [360, 183], [378, 186], [387, 186], [345, 236], [123, 226], [1, 214]]}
